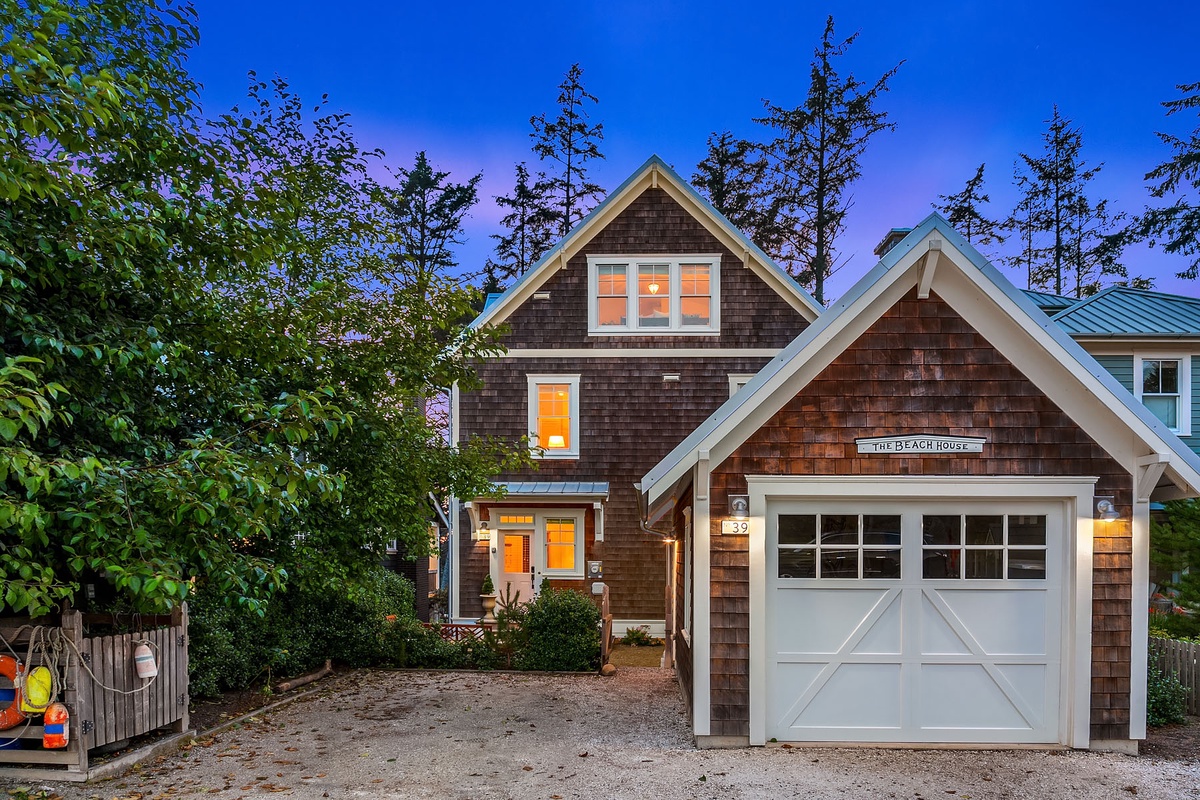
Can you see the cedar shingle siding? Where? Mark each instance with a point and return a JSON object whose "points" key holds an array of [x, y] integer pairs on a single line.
{"points": [[629, 418], [922, 368]]}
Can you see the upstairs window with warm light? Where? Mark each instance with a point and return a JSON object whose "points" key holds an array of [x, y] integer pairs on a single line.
{"points": [[554, 415], [653, 294]]}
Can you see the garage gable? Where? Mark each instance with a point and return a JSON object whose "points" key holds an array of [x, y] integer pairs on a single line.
{"points": [[935, 261]]}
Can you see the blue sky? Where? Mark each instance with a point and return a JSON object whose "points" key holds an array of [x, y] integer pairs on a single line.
{"points": [[461, 79]]}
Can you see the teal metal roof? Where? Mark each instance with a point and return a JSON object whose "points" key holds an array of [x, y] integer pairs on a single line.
{"points": [[554, 488], [1048, 302], [1119, 311]]}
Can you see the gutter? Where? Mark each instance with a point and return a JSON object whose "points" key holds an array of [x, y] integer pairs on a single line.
{"points": [[644, 517]]}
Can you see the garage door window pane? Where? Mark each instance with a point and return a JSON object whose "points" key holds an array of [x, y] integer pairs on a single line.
{"points": [[940, 564], [881, 563], [839, 529], [1026, 565], [1027, 531], [881, 529], [941, 529], [797, 529], [797, 563], [839, 563], [984, 564], [985, 530]]}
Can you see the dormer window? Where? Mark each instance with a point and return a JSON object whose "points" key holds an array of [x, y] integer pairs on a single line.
{"points": [[653, 295]]}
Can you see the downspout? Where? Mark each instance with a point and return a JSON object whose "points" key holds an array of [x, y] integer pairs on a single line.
{"points": [[669, 558], [644, 517]]}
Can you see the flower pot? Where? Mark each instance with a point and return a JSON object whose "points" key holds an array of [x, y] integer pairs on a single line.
{"points": [[489, 605]]}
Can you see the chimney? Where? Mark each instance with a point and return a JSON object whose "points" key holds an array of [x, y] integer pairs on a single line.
{"points": [[893, 238]]}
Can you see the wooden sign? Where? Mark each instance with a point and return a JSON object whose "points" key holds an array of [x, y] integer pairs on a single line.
{"points": [[919, 444]]}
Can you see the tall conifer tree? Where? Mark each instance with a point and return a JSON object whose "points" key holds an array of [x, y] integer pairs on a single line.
{"points": [[1177, 226], [815, 159], [531, 228], [732, 177], [964, 211], [570, 140]]}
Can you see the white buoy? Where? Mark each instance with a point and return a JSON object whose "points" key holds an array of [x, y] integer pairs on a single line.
{"points": [[143, 661]]}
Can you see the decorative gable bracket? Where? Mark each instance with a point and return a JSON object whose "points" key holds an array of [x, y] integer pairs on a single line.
{"points": [[1149, 469], [928, 268]]}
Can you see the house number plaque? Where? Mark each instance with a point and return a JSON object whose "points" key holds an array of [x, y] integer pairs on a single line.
{"points": [[920, 443]]}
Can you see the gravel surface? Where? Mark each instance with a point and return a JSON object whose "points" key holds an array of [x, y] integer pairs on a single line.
{"points": [[501, 735]]}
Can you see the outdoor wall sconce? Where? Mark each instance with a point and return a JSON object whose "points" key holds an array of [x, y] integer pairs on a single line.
{"points": [[482, 534], [739, 506], [1106, 510]]}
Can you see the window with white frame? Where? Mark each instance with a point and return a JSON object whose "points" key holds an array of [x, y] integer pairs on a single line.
{"points": [[1163, 383], [654, 294], [737, 381], [554, 415], [556, 550]]}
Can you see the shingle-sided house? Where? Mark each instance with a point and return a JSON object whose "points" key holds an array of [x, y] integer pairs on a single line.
{"points": [[622, 340], [927, 520]]}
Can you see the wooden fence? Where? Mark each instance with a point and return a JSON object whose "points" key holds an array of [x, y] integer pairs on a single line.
{"points": [[105, 698], [454, 632], [1182, 659]]}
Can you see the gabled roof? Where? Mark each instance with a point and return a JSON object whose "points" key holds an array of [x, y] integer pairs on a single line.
{"points": [[654, 173], [1049, 302], [935, 256], [1119, 311]]}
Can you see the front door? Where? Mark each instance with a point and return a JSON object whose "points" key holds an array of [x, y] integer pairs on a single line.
{"points": [[516, 576]]}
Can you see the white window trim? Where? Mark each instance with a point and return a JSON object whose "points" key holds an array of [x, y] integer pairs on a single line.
{"points": [[532, 406], [1185, 385], [676, 328], [566, 513], [737, 380]]}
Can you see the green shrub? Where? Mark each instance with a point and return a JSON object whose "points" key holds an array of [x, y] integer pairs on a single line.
{"points": [[640, 637], [1166, 697], [231, 647], [563, 630], [1175, 626]]}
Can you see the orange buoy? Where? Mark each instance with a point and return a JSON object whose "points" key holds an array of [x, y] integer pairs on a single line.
{"points": [[12, 715], [56, 730]]}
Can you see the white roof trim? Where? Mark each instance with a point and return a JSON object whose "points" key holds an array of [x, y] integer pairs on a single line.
{"points": [[1008, 319], [654, 173]]}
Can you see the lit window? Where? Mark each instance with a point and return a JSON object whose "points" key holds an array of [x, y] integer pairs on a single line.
{"points": [[560, 545], [671, 294], [554, 415], [1163, 384], [516, 519]]}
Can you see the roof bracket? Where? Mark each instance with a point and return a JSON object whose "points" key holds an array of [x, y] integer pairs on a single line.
{"points": [[654, 176], [1149, 469], [928, 266], [746, 258]]}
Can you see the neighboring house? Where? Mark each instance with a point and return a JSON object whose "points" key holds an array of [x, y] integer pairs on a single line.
{"points": [[423, 572], [623, 339], [926, 521]]}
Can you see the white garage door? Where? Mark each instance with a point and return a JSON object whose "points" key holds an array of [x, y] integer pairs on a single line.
{"points": [[914, 621]]}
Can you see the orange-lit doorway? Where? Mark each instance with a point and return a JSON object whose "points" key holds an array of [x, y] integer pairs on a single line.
{"points": [[516, 565]]}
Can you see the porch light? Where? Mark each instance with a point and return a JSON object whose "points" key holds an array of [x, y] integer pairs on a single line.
{"points": [[557, 442], [482, 534], [1106, 511], [739, 506]]}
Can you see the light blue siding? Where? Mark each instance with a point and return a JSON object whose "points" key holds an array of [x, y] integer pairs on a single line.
{"points": [[1121, 368]]}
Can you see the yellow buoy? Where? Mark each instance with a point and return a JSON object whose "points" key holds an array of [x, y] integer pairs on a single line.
{"points": [[39, 683]]}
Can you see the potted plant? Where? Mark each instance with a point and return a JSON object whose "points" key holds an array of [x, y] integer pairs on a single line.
{"points": [[487, 594]]}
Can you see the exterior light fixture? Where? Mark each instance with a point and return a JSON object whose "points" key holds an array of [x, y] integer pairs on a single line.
{"points": [[739, 506], [482, 534], [1106, 510], [557, 442]]}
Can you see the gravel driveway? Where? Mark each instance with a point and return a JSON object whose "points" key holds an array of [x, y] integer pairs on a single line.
{"points": [[491, 735]]}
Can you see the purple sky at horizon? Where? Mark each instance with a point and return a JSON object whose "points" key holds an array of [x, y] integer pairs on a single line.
{"points": [[461, 80]]}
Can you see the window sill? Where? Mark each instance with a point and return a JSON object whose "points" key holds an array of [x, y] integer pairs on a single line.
{"points": [[555, 456], [654, 332]]}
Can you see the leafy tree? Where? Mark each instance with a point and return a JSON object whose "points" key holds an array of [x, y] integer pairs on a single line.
{"points": [[732, 177], [1069, 233], [571, 141], [1177, 226], [964, 211], [815, 158], [150, 431], [531, 227]]}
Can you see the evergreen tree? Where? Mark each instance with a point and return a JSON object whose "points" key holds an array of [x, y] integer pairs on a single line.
{"points": [[1067, 231], [733, 178], [1177, 226], [815, 159], [964, 212], [571, 141], [531, 227]]}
